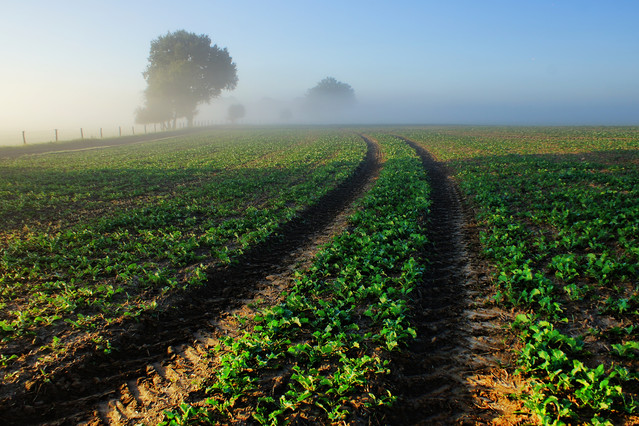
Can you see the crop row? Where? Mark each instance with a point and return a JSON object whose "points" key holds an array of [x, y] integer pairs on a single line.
{"points": [[60, 189], [326, 343], [154, 218], [464, 143], [561, 231]]}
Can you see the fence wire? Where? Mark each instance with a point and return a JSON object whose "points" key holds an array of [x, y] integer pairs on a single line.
{"points": [[27, 137]]}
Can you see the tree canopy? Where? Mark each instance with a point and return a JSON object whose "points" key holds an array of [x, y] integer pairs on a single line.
{"points": [[184, 71], [329, 93]]}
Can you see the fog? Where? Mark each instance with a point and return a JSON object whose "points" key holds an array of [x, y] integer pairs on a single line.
{"points": [[419, 111], [108, 117], [107, 112], [68, 106], [462, 62]]}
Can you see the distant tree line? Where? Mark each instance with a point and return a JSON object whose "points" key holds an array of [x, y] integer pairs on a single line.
{"points": [[330, 93], [185, 70]]}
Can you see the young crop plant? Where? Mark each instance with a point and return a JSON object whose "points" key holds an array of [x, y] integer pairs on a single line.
{"points": [[558, 216], [317, 356], [92, 237]]}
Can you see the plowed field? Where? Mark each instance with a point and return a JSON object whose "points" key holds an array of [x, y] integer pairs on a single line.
{"points": [[371, 276]]}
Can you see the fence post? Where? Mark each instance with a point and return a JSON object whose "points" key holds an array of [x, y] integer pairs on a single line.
{"points": [[101, 133], [56, 135], [24, 138], [120, 129], [81, 133]]}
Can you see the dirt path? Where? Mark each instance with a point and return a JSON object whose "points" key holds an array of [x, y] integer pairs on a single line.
{"points": [[452, 373], [161, 360]]}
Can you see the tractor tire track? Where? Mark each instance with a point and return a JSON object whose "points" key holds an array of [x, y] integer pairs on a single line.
{"points": [[161, 360], [451, 374]]}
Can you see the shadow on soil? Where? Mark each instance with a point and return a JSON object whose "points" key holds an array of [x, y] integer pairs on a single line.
{"points": [[87, 377]]}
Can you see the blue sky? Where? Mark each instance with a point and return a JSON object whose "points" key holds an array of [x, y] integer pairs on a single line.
{"points": [[75, 63]]}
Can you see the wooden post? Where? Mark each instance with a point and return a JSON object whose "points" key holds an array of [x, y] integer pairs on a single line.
{"points": [[133, 130], [155, 127], [120, 128], [24, 138], [101, 133], [56, 135], [81, 133], [145, 129]]}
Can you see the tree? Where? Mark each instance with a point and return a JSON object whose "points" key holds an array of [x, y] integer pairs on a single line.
{"points": [[184, 71], [155, 110], [329, 94], [236, 112]]}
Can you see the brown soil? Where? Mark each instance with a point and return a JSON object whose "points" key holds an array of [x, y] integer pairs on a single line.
{"points": [[159, 361], [458, 370]]}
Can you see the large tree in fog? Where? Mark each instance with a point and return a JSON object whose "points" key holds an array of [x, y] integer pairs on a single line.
{"points": [[329, 95], [184, 71]]}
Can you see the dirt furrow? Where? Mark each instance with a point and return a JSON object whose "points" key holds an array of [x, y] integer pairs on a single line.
{"points": [[450, 373], [160, 361]]}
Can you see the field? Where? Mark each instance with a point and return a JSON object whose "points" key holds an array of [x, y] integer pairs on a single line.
{"points": [[383, 275]]}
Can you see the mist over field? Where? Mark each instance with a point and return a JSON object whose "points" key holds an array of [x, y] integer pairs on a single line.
{"points": [[419, 111], [218, 212], [543, 63]]}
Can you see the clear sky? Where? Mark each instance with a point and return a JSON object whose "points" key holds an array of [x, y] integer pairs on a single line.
{"points": [[80, 62]]}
